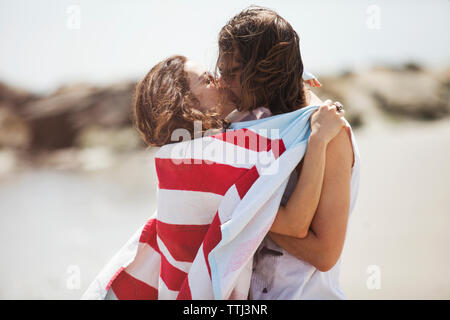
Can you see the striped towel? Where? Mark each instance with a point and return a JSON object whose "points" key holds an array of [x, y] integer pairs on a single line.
{"points": [[217, 198]]}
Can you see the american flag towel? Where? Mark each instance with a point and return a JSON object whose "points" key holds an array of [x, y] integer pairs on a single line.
{"points": [[217, 199]]}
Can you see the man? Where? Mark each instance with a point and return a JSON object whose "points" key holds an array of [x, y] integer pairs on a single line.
{"points": [[260, 64]]}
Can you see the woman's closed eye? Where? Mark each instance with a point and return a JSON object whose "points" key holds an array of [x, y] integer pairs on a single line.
{"points": [[208, 78]]}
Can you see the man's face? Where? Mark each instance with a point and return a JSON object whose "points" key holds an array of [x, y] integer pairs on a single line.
{"points": [[230, 75]]}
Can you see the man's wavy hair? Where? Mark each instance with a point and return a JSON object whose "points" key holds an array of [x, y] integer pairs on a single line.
{"points": [[164, 102], [267, 49]]}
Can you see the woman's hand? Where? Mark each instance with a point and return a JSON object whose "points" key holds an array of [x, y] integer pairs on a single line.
{"points": [[327, 122]]}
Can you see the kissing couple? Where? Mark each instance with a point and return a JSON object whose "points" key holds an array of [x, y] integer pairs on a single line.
{"points": [[259, 76]]}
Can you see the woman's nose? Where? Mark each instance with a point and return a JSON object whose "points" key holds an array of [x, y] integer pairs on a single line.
{"points": [[212, 84]]}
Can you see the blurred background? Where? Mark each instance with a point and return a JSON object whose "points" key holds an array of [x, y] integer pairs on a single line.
{"points": [[76, 181]]}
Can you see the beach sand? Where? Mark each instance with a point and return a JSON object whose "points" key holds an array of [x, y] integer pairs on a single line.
{"points": [[58, 227], [400, 220]]}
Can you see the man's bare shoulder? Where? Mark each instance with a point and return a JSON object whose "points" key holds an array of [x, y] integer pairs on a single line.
{"points": [[340, 148]]}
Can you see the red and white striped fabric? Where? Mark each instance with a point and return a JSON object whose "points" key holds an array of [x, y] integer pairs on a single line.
{"points": [[217, 198]]}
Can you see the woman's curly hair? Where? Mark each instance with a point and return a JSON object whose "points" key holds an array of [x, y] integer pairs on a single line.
{"points": [[164, 102], [267, 49]]}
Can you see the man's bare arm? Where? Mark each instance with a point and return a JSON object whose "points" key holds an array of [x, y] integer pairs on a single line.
{"points": [[323, 244], [305, 197], [295, 218]]}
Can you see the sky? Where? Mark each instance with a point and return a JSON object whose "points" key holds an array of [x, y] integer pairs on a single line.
{"points": [[49, 43]]}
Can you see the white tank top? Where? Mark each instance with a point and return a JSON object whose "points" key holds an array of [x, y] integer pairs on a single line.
{"points": [[279, 275]]}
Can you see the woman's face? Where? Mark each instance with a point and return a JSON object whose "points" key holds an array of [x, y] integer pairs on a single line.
{"points": [[206, 89]]}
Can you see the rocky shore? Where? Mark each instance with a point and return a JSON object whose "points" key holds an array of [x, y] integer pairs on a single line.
{"points": [[86, 127]]}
